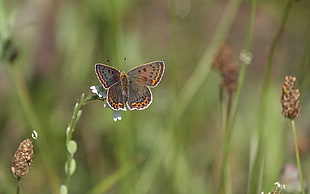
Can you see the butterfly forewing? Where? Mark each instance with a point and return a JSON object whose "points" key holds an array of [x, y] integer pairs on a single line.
{"points": [[149, 74], [139, 96], [115, 97], [107, 75]]}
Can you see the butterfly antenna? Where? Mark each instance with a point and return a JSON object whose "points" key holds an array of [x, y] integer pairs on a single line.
{"points": [[124, 64]]}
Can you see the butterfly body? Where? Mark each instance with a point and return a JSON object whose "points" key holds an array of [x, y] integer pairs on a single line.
{"points": [[124, 79], [130, 90]]}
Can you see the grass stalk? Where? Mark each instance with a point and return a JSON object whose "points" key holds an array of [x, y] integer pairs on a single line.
{"points": [[228, 131], [297, 157], [18, 185], [254, 180], [71, 128], [223, 110]]}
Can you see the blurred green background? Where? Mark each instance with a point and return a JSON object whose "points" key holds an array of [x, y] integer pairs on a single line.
{"points": [[58, 42]]}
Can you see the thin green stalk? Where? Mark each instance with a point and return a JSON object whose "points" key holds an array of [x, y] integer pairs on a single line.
{"points": [[225, 122], [229, 127], [244, 66], [223, 110], [275, 42], [229, 105], [259, 157], [71, 128], [297, 157], [18, 185]]}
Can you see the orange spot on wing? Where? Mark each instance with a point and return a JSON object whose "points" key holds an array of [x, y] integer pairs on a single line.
{"points": [[116, 105], [101, 78], [142, 104], [158, 76]]}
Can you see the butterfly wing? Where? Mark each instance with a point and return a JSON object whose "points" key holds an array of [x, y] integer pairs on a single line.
{"points": [[107, 75], [115, 97], [149, 74], [139, 96]]}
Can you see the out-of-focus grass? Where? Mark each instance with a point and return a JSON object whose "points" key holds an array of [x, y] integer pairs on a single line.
{"points": [[58, 44]]}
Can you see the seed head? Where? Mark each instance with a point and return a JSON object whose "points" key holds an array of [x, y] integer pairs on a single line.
{"points": [[22, 159], [290, 98], [225, 63], [223, 57], [230, 75]]}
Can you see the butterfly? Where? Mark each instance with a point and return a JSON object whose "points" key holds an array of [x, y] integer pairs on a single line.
{"points": [[130, 90]]}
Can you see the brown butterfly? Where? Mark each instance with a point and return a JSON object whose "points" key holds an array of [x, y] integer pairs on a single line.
{"points": [[132, 89]]}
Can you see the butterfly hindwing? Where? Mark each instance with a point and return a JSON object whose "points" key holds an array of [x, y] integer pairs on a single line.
{"points": [[107, 75], [115, 97], [149, 74], [139, 96]]}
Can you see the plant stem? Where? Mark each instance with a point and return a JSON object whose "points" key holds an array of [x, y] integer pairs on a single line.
{"points": [[297, 157], [228, 128], [71, 127], [259, 156], [244, 66], [18, 185]]}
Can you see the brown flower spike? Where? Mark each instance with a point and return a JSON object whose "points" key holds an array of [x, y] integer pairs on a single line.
{"points": [[225, 63], [290, 98], [22, 159]]}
